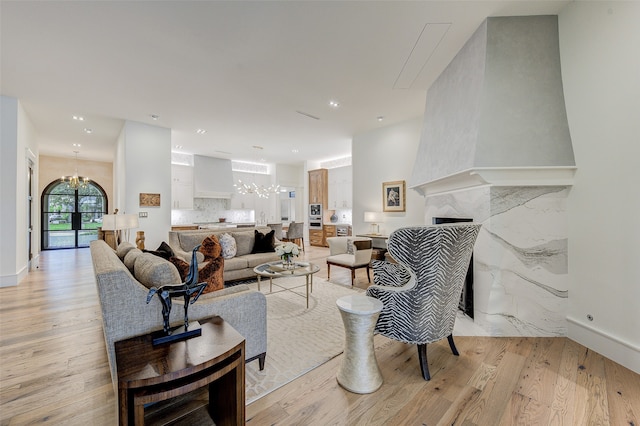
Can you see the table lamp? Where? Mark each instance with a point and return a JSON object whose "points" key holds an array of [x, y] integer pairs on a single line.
{"points": [[118, 223], [374, 218]]}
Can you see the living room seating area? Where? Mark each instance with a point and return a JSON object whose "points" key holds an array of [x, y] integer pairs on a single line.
{"points": [[122, 293]]}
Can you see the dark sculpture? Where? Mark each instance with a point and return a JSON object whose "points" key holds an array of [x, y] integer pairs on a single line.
{"points": [[187, 289]]}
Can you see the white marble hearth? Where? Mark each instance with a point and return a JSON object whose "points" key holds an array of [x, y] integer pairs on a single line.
{"points": [[520, 258]]}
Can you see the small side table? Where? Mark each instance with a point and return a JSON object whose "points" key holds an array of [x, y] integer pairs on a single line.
{"points": [[359, 372], [148, 373]]}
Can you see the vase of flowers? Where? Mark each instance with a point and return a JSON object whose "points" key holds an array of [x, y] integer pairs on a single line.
{"points": [[287, 251]]}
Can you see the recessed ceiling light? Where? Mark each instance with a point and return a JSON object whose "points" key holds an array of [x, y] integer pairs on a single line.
{"points": [[88, 130], [78, 118], [334, 104], [154, 116], [201, 131], [380, 118], [77, 145], [295, 151]]}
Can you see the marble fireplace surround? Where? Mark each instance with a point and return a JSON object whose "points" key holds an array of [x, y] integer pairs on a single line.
{"points": [[520, 257]]}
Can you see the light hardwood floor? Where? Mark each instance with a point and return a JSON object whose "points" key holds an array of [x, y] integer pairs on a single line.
{"points": [[53, 369]]}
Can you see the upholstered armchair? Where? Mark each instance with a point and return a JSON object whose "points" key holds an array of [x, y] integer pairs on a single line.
{"points": [[295, 234], [421, 292], [349, 252], [277, 228]]}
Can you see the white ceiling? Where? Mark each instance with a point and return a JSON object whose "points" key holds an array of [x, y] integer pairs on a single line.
{"points": [[241, 70]]}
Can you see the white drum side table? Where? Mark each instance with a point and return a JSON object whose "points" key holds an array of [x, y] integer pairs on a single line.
{"points": [[359, 371]]}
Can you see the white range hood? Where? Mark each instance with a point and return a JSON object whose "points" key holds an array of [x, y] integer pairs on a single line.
{"points": [[212, 177]]}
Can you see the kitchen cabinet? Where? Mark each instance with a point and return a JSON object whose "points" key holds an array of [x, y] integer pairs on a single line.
{"points": [[318, 189], [329, 231], [181, 187], [340, 188], [316, 237]]}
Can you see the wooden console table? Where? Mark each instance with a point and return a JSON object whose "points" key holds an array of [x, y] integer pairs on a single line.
{"points": [[148, 374]]}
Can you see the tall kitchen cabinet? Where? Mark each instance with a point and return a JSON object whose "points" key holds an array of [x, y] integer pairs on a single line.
{"points": [[318, 187], [318, 194], [181, 187]]}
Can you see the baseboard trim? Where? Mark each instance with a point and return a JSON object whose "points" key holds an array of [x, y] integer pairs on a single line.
{"points": [[13, 280], [613, 347]]}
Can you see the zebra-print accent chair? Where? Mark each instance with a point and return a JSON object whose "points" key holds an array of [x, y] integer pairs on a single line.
{"points": [[421, 292]]}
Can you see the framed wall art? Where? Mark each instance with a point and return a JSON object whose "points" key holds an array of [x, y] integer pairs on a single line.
{"points": [[393, 196], [149, 200]]}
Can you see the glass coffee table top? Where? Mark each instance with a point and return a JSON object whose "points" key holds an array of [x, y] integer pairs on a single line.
{"points": [[278, 269]]}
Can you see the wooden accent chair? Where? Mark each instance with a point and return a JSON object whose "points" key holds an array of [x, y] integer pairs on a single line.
{"points": [[295, 234], [421, 292], [349, 252]]}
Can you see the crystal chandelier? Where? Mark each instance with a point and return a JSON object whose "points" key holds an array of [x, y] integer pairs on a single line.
{"points": [[261, 191], [75, 181]]}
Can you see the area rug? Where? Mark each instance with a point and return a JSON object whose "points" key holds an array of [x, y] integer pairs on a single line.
{"points": [[298, 339]]}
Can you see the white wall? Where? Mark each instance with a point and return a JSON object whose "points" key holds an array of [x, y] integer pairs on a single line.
{"points": [[8, 189], [17, 135], [383, 155], [100, 172], [600, 69], [144, 166]]}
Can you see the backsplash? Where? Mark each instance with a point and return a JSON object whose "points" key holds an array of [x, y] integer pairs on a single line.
{"points": [[204, 210], [344, 216]]}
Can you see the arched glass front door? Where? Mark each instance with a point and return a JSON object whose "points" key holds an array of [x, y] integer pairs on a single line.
{"points": [[70, 217]]}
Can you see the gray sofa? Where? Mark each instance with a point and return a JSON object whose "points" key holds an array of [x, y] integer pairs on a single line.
{"points": [[125, 313], [237, 268]]}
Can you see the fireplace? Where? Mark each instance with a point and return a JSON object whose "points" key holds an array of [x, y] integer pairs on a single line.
{"points": [[466, 297], [488, 151]]}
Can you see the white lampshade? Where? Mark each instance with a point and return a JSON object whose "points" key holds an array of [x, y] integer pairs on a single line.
{"points": [[373, 217], [109, 222], [129, 221], [117, 222]]}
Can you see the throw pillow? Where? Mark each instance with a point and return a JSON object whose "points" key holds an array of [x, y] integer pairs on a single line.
{"points": [[228, 244], [264, 242], [244, 242], [153, 271], [349, 246], [130, 258], [123, 249], [212, 268], [164, 251]]}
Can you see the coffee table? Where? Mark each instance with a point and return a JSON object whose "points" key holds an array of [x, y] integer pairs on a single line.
{"points": [[278, 270]]}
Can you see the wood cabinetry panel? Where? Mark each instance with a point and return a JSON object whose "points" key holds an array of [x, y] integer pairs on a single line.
{"points": [[318, 188], [316, 237], [329, 231]]}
